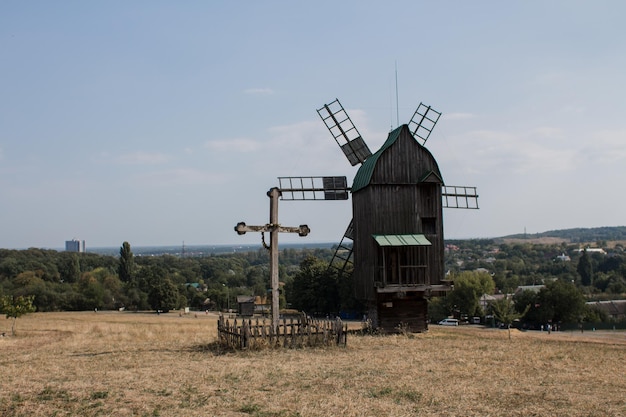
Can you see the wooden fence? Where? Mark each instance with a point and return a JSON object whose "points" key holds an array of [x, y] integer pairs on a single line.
{"points": [[291, 333]]}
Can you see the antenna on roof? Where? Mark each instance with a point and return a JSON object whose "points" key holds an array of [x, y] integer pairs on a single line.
{"points": [[390, 109], [397, 108]]}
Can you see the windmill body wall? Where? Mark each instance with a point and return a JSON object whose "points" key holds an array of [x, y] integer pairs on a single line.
{"points": [[403, 197]]}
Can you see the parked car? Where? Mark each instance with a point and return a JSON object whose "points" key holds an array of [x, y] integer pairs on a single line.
{"points": [[449, 322]]}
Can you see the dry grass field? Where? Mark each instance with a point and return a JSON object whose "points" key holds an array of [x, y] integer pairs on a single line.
{"points": [[136, 364]]}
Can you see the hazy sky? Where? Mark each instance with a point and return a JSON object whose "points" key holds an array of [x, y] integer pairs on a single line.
{"points": [[158, 122]]}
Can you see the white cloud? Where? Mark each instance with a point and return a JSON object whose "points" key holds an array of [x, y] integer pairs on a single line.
{"points": [[233, 145], [306, 148], [458, 116], [180, 176], [541, 150], [604, 147], [266, 91], [294, 136], [142, 158], [302, 139], [547, 132]]}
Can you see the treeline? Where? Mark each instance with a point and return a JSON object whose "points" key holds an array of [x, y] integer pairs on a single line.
{"points": [[87, 281], [571, 275], [556, 302], [599, 272]]}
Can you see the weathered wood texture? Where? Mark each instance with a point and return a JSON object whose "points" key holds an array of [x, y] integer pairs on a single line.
{"points": [[408, 314], [255, 334], [403, 197], [246, 308]]}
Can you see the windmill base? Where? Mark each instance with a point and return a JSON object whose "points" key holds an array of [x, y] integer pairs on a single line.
{"points": [[399, 312]]}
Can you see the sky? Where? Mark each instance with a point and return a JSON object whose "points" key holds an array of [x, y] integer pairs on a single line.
{"points": [[163, 122]]}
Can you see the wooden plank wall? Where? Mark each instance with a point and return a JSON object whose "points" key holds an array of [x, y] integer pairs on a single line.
{"points": [[408, 314], [395, 203]]}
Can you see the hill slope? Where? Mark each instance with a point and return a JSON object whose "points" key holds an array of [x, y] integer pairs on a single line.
{"points": [[607, 233]]}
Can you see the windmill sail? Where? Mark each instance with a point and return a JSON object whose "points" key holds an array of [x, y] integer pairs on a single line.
{"points": [[344, 132], [459, 196], [313, 188], [423, 122]]}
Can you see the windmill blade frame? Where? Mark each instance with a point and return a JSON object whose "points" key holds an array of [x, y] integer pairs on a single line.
{"points": [[423, 122], [459, 196], [313, 188], [344, 132]]}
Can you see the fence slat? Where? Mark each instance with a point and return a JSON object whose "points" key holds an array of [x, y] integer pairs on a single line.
{"points": [[304, 331]]}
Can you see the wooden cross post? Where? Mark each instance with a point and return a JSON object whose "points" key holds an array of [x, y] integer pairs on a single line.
{"points": [[274, 228]]}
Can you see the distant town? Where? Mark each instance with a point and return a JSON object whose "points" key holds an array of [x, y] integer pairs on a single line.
{"points": [[189, 251]]}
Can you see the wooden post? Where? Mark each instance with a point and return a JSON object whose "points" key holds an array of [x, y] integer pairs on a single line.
{"points": [[273, 227], [274, 193]]}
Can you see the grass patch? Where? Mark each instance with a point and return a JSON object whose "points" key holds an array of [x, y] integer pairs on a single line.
{"points": [[380, 392], [257, 411], [50, 394], [99, 395], [250, 409]]}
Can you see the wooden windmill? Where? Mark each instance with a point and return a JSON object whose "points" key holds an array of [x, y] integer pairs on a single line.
{"points": [[396, 232]]}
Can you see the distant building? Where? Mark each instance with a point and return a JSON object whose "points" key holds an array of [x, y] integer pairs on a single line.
{"points": [[592, 250], [262, 305], [246, 305], [533, 288], [75, 245], [563, 257], [616, 309], [487, 299]]}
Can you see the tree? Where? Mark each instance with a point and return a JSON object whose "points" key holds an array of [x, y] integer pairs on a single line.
{"points": [[163, 295], [468, 288], [314, 288], [617, 284], [91, 290], [505, 312], [69, 267], [127, 264], [528, 301], [74, 269], [584, 269], [437, 309], [561, 301], [15, 307]]}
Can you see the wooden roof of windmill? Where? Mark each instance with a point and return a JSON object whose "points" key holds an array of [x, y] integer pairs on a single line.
{"points": [[366, 171]]}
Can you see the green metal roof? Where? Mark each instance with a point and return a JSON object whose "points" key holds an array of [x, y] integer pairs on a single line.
{"points": [[401, 240], [364, 174]]}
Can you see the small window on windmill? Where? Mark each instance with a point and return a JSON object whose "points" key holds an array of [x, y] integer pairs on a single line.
{"points": [[335, 188], [429, 225]]}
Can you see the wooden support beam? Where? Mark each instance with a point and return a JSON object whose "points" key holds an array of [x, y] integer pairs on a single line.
{"points": [[274, 228]]}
